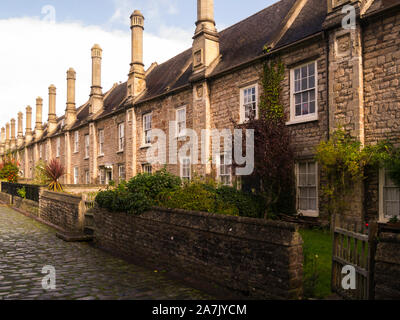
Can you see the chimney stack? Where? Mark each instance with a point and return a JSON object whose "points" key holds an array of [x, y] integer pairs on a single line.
{"points": [[39, 114], [7, 146], [96, 95], [2, 140], [13, 140], [206, 39], [52, 121], [28, 130], [70, 112], [137, 79], [20, 138]]}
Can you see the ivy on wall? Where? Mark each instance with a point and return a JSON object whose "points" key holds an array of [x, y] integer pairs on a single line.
{"points": [[273, 175]]}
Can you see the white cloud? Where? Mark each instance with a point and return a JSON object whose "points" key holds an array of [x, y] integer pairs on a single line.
{"points": [[154, 10], [35, 54]]}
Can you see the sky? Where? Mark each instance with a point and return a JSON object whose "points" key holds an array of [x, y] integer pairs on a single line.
{"points": [[41, 39]]}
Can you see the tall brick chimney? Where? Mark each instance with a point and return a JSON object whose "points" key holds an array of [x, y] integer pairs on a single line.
{"points": [[96, 95], [136, 80], [20, 137], [70, 112], [2, 140], [52, 120], [7, 145], [39, 115], [28, 130], [206, 38], [13, 141]]}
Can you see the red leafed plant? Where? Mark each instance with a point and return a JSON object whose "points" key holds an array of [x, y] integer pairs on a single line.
{"points": [[53, 172], [9, 168]]}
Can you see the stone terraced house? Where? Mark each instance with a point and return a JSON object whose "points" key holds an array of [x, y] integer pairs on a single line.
{"points": [[334, 75]]}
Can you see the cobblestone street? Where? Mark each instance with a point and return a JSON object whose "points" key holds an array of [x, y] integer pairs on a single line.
{"points": [[82, 272]]}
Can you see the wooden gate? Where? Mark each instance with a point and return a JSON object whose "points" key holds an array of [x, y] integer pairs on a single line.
{"points": [[354, 245]]}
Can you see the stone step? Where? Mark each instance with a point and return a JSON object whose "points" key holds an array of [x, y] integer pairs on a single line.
{"points": [[88, 231], [89, 220], [74, 237]]}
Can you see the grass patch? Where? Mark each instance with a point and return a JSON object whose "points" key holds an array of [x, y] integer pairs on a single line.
{"points": [[317, 251]]}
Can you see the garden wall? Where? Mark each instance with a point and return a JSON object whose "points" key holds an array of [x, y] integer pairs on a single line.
{"points": [[387, 266], [252, 258], [62, 210], [28, 206], [6, 198]]}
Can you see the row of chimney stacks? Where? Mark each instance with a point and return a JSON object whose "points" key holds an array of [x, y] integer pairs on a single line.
{"points": [[205, 52]]}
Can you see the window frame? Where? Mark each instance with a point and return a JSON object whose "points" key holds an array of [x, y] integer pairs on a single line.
{"points": [[303, 118], [76, 175], [121, 137], [87, 146], [182, 133], [228, 166], [102, 174], [382, 179], [307, 213], [182, 164], [144, 131], [147, 165], [120, 166], [76, 141], [101, 142], [87, 177], [242, 105], [58, 147]]}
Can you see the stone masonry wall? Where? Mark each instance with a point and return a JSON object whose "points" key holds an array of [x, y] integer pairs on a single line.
{"points": [[387, 267], [253, 258], [62, 210], [381, 54]]}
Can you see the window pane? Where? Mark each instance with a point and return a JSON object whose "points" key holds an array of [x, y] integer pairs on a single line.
{"points": [[303, 204], [297, 99], [312, 193], [304, 72], [304, 84], [311, 69], [303, 168], [312, 107], [297, 74], [312, 204], [311, 82], [297, 85], [298, 110]]}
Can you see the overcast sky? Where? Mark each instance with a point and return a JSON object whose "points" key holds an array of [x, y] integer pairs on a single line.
{"points": [[41, 39]]}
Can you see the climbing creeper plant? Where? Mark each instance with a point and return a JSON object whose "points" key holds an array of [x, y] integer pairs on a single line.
{"points": [[343, 161], [274, 158]]}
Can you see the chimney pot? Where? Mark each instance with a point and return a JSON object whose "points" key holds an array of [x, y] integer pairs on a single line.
{"points": [[52, 120], [70, 112], [96, 94], [39, 117], [137, 78], [28, 130]]}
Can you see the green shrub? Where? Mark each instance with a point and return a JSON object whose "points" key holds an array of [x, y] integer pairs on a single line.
{"points": [[122, 200], [153, 184], [198, 197], [105, 199], [22, 192], [248, 204]]}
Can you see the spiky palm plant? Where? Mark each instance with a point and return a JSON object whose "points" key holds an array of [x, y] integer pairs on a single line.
{"points": [[53, 172]]}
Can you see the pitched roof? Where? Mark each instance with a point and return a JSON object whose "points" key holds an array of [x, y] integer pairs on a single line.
{"points": [[239, 44]]}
